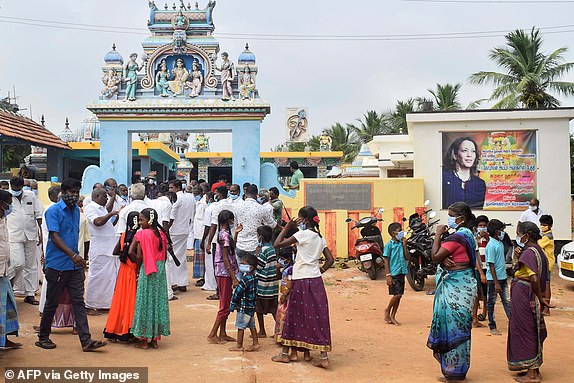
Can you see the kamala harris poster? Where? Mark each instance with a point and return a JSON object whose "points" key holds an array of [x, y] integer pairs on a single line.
{"points": [[489, 170]]}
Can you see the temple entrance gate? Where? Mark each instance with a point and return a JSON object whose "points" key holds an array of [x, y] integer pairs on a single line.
{"points": [[181, 88]]}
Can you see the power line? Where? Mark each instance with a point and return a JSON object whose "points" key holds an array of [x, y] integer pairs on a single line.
{"points": [[286, 37]]}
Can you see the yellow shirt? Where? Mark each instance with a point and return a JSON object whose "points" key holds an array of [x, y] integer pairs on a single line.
{"points": [[523, 272], [546, 243]]}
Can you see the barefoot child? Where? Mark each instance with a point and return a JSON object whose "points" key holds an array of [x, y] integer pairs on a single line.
{"points": [[496, 273], [547, 245], [482, 239], [225, 274], [307, 320], [267, 281], [395, 256], [244, 300], [151, 317]]}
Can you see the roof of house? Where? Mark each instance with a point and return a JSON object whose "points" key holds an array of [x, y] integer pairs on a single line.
{"points": [[22, 128]]}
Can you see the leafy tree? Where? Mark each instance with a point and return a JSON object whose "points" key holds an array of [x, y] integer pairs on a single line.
{"points": [[529, 74], [13, 155], [397, 119], [372, 124], [445, 97], [344, 139]]}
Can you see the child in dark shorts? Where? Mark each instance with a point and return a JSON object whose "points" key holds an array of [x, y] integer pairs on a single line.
{"points": [[395, 256], [267, 278], [243, 301]]}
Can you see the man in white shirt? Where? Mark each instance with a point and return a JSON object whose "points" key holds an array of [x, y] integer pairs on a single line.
{"points": [[163, 204], [251, 215], [181, 217], [114, 202], [137, 204], [104, 265], [533, 213], [221, 203], [234, 196], [199, 255], [210, 283], [24, 224]]}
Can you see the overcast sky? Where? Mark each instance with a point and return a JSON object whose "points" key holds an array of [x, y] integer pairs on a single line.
{"points": [[58, 71]]}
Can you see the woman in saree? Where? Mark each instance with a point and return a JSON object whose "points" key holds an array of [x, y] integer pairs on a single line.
{"points": [[526, 328], [455, 294]]}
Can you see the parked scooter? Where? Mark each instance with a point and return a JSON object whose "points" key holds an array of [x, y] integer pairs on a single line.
{"points": [[419, 245], [369, 248]]}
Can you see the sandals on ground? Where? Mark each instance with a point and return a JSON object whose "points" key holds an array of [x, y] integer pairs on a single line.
{"points": [[93, 345], [46, 344]]}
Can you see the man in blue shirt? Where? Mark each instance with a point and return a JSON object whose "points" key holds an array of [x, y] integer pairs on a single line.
{"points": [[395, 256], [64, 267], [496, 272]]}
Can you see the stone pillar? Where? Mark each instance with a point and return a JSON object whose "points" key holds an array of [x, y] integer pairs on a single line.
{"points": [[115, 151], [246, 152], [145, 167]]}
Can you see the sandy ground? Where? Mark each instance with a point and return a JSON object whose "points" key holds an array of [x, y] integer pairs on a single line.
{"points": [[365, 349]]}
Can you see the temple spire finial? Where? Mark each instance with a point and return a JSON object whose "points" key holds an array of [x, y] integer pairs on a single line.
{"points": [[43, 120], [246, 46], [114, 46], [67, 123]]}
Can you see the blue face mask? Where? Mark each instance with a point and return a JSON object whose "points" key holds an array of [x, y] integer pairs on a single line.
{"points": [[400, 235], [16, 193], [234, 196], [452, 222], [215, 198], [260, 244], [26, 188], [501, 235], [480, 229], [124, 197], [245, 269], [260, 201], [35, 191], [282, 262], [197, 198], [519, 242], [302, 226]]}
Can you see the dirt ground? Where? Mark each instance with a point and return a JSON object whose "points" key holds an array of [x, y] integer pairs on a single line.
{"points": [[365, 349]]}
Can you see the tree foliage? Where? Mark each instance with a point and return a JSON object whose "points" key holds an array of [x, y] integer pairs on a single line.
{"points": [[528, 73], [13, 155]]}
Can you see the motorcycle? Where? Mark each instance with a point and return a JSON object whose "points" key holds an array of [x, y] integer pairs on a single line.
{"points": [[419, 246], [369, 248]]}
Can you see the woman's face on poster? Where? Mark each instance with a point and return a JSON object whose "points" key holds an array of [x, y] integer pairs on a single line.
{"points": [[466, 154]]}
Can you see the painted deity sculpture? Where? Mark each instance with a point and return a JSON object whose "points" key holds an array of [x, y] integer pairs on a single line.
{"points": [[131, 77], [196, 82], [201, 143], [325, 142], [226, 70], [246, 84], [180, 74], [162, 80], [112, 82], [180, 20]]}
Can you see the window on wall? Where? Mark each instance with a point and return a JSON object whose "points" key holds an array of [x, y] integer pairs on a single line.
{"points": [[400, 173]]}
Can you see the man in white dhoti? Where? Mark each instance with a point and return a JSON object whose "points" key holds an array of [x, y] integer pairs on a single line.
{"points": [[104, 265], [182, 214], [210, 284]]}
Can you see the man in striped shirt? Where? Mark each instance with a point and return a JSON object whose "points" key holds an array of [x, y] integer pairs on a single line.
{"points": [[267, 278]]}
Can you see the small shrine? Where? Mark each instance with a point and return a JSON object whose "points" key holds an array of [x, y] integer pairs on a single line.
{"points": [[182, 83]]}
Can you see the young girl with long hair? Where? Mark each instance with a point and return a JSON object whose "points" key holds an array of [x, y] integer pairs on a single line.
{"points": [[306, 324], [226, 270], [123, 304], [151, 317]]}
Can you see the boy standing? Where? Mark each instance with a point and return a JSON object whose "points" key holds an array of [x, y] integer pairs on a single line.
{"points": [[547, 245], [395, 256], [481, 240], [243, 300], [267, 281], [496, 273]]}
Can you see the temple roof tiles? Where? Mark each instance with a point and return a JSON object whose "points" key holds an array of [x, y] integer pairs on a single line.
{"points": [[22, 128]]}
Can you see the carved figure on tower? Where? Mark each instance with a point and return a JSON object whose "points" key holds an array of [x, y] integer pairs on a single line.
{"points": [[246, 84], [180, 74], [227, 77], [162, 80], [180, 21], [112, 82], [325, 142], [201, 143], [196, 82], [131, 76]]}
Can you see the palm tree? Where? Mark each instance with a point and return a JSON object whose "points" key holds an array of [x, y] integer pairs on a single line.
{"points": [[445, 97], [344, 139], [397, 119], [372, 124], [529, 73]]}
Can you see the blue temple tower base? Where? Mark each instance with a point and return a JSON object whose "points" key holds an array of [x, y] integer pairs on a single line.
{"points": [[179, 84]]}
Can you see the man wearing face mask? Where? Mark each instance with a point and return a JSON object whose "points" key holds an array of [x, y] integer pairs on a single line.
{"points": [[24, 227], [8, 315], [532, 214], [234, 196], [64, 267]]}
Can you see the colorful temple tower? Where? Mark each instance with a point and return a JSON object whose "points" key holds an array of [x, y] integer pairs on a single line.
{"points": [[180, 84]]}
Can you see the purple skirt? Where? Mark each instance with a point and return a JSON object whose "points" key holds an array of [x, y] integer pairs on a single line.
{"points": [[306, 323], [526, 328]]}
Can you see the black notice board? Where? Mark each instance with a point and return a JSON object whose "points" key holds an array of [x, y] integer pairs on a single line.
{"points": [[339, 196]]}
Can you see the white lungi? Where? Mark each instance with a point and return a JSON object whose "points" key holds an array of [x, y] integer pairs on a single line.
{"points": [[209, 278], [23, 267], [179, 274], [102, 273]]}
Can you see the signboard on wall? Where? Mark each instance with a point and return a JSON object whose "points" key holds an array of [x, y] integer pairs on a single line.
{"points": [[341, 196], [489, 170], [297, 124]]}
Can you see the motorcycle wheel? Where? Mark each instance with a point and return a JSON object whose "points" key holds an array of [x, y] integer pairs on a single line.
{"points": [[372, 272], [417, 283]]}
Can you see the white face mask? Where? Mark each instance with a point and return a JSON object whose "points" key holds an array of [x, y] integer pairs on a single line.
{"points": [[533, 208]]}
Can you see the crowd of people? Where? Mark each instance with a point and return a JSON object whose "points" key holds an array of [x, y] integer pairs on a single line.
{"points": [[256, 261]]}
